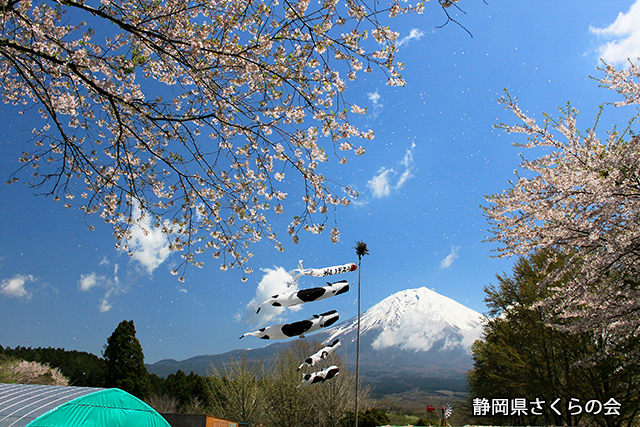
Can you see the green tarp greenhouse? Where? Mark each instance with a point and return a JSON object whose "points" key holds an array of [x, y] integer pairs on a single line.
{"points": [[24, 405]]}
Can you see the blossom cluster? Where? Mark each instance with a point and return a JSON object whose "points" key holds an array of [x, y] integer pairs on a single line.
{"points": [[194, 114], [583, 198]]}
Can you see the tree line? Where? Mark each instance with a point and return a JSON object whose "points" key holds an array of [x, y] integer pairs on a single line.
{"points": [[267, 393]]}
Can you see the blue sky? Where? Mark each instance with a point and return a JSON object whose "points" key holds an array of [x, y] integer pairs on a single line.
{"points": [[421, 181]]}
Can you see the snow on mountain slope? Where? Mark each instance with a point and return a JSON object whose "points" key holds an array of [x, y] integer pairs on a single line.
{"points": [[415, 319]]}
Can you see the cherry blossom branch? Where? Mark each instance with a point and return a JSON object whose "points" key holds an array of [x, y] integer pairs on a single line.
{"points": [[581, 198]]}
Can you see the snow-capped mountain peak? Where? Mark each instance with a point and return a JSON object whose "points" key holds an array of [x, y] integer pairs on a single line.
{"points": [[415, 319]]}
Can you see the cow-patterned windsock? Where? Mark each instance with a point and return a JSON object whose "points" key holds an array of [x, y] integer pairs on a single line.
{"points": [[320, 272], [323, 353], [289, 299], [287, 330], [319, 377]]}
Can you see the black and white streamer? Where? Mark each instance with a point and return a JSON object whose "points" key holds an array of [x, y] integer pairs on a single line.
{"points": [[319, 377], [292, 298], [321, 354], [288, 330], [320, 272]]}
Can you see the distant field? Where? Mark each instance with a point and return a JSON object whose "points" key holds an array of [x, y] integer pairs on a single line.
{"points": [[386, 385]]}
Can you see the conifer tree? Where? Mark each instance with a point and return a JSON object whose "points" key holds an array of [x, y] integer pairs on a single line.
{"points": [[125, 361]]}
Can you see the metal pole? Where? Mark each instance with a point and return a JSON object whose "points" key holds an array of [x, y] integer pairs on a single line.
{"points": [[358, 345], [361, 250]]}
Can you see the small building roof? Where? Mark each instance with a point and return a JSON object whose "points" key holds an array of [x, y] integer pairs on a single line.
{"points": [[23, 405]]}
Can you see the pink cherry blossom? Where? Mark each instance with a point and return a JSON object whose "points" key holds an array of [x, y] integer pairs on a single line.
{"points": [[185, 115], [583, 198]]}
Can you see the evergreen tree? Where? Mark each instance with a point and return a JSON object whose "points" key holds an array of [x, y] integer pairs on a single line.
{"points": [[373, 417], [125, 361], [422, 422], [176, 385], [158, 384]]}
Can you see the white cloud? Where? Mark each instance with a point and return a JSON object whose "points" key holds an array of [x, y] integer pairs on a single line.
{"points": [[419, 334], [148, 244], [105, 305], [624, 34], [274, 281], [379, 184], [448, 261], [376, 106], [407, 162], [16, 287], [414, 34], [387, 179], [88, 281], [111, 286]]}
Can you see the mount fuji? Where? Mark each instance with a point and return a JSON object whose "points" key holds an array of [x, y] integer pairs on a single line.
{"points": [[415, 338], [412, 338], [414, 319]]}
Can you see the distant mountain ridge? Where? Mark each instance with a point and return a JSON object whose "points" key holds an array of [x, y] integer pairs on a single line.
{"points": [[415, 338]]}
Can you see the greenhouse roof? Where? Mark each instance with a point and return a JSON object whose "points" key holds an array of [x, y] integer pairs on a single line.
{"points": [[23, 405]]}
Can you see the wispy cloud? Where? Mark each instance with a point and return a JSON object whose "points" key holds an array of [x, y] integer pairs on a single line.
{"points": [[376, 105], [387, 179], [110, 284], [448, 261], [407, 162], [274, 281], [625, 35], [16, 287], [414, 34]]}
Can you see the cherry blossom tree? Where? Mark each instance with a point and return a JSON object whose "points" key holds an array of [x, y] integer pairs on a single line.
{"points": [[24, 372], [582, 198], [194, 117]]}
